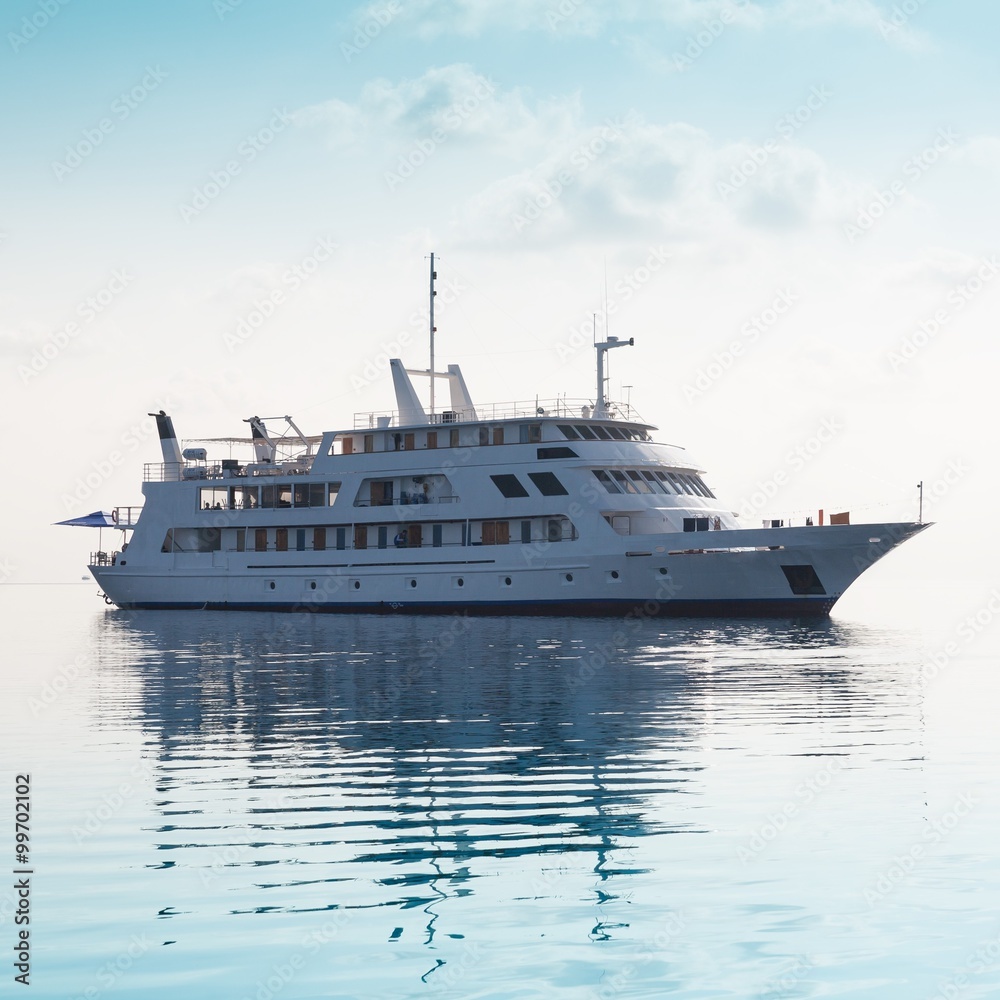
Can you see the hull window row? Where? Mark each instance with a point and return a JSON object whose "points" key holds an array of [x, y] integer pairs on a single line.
{"points": [[412, 535], [652, 481], [267, 497]]}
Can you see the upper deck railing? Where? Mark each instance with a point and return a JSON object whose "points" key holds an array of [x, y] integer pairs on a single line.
{"points": [[167, 472], [566, 409]]}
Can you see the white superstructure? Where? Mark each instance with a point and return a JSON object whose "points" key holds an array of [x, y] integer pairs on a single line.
{"points": [[547, 507]]}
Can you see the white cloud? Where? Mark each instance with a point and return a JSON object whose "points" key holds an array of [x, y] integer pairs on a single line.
{"points": [[979, 151], [636, 179], [454, 101], [473, 18]]}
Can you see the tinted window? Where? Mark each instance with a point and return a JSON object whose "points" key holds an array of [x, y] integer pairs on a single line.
{"points": [[547, 484], [556, 453], [509, 486], [602, 433], [585, 432], [568, 432]]}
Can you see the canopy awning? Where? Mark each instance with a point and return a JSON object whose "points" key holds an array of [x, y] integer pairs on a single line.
{"points": [[95, 519]]}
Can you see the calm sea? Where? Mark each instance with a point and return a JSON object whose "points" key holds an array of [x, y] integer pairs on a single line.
{"points": [[248, 805]]}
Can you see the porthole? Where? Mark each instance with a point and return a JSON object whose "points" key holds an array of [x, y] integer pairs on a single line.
{"points": [[614, 574], [312, 585], [413, 583], [663, 571], [357, 584], [507, 581], [271, 585], [460, 582], [569, 577]]}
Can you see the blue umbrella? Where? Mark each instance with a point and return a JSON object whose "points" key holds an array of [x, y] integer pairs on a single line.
{"points": [[96, 519]]}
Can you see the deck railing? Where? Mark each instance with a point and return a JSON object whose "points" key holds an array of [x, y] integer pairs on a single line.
{"points": [[567, 409]]}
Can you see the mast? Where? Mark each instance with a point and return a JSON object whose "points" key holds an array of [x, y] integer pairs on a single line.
{"points": [[432, 329], [600, 409]]}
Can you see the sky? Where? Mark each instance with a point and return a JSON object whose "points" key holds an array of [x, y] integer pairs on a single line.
{"points": [[224, 208]]}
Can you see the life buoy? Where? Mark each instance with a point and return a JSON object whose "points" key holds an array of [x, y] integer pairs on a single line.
{"points": [[114, 515]]}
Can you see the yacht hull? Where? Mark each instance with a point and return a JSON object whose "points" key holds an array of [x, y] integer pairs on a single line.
{"points": [[772, 572]]}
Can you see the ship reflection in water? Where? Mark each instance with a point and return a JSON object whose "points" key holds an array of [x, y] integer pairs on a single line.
{"points": [[442, 794]]}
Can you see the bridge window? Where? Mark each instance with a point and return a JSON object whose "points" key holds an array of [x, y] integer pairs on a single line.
{"points": [[606, 481], [568, 432], [640, 484]]}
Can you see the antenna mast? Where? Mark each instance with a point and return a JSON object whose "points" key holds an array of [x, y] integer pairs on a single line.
{"points": [[432, 329]]}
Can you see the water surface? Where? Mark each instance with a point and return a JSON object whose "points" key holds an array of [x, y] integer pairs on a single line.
{"points": [[251, 805]]}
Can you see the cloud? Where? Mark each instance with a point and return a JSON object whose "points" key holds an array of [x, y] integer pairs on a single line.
{"points": [[454, 101], [979, 151], [474, 18], [635, 179]]}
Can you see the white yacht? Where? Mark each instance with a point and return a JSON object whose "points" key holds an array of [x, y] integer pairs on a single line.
{"points": [[547, 507]]}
